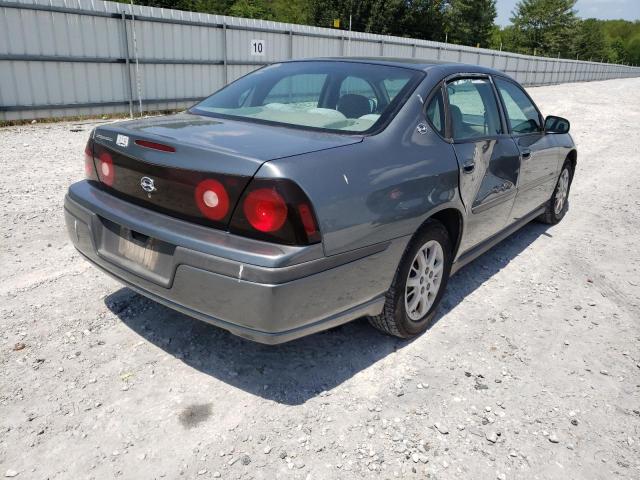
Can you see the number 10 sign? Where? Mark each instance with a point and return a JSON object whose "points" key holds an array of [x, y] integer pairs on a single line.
{"points": [[257, 47]]}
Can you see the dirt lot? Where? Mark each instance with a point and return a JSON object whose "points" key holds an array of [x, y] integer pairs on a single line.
{"points": [[532, 371]]}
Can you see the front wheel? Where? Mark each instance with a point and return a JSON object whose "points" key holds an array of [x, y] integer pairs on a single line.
{"points": [[418, 284], [558, 205]]}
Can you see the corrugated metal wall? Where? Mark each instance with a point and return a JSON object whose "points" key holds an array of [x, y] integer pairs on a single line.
{"points": [[78, 57]]}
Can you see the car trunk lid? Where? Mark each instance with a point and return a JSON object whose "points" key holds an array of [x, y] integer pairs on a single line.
{"points": [[167, 163]]}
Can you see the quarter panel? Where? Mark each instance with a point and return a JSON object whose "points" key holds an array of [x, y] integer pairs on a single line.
{"points": [[382, 188]]}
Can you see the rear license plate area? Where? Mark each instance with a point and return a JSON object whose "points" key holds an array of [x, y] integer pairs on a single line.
{"points": [[142, 254]]}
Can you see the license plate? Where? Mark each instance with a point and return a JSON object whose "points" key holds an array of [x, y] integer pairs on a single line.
{"points": [[144, 253]]}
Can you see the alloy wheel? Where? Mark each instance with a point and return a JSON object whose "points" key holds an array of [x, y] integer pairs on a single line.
{"points": [[424, 279], [562, 192]]}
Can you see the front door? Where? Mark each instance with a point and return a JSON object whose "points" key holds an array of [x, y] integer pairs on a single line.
{"points": [[539, 165], [488, 158]]}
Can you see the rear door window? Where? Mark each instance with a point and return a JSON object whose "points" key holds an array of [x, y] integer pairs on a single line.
{"points": [[435, 112], [473, 109], [522, 115]]}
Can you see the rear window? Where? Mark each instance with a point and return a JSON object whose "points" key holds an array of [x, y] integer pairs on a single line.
{"points": [[341, 96]]}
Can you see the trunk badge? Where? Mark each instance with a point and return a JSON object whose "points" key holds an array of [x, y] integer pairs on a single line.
{"points": [[148, 185]]}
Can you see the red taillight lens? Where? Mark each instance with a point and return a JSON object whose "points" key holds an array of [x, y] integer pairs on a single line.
{"points": [[106, 171], [212, 199], [155, 146], [89, 168], [265, 209], [308, 220], [275, 210]]}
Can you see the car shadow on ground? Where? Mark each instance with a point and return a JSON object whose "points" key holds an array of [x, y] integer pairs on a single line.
{"points": [[299, 370]]}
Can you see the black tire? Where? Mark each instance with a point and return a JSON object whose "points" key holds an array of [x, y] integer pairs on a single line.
{"points": [[550, 216], [394, 319]]}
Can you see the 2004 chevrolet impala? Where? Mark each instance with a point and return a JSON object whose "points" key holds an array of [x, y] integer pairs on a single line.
{"points": [[309, 193]]}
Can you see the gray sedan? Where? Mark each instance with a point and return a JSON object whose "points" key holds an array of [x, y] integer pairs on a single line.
{"points": [[310, 193]]}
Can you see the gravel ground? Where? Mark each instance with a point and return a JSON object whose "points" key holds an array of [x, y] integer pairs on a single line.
{"points": [[532, 371]]}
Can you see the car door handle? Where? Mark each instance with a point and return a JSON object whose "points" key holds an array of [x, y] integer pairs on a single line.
{"points": [[525, 154], [469, 167]]}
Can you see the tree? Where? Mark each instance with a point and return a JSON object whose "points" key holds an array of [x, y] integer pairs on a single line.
{"points": [[590, 41], [219, 7], [623, 38], [545, 26], [406, 18], [633, 49], [292, 11], [251, 9], [374, 16], [470, 22], [507, 39], [422, 19]]}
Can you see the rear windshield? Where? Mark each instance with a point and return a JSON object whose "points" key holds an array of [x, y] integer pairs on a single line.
{"points": [[341, 96]]}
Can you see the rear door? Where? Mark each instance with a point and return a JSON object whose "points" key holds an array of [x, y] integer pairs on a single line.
{"points": [[488, 158], [538, 152]]}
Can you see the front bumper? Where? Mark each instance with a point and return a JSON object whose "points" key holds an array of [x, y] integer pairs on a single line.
{"points": [[264, 292]]}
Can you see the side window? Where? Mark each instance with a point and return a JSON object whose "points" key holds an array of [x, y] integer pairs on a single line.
{"points": [[303, 89], [473, 109], [522, 115], [435, 112]]}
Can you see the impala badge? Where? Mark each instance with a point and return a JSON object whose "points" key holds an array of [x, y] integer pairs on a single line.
{"points": [[148, 185]]}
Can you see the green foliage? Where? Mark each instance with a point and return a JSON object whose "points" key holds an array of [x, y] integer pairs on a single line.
{"points": [[470, 22], [292, 11], [623, 38], [408, 18], [545, 27], [633, 49], [220, 7], [506, 39], [421, 19], [590, 42], [252, 9]]}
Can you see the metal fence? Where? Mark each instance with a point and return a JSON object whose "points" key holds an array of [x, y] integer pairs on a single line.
{"points": [[81, 57]]}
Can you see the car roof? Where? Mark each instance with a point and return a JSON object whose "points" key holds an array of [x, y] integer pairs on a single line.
{"points": [[445, 68]]}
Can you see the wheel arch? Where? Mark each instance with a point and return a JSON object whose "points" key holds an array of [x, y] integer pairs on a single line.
{"points": [[572, 158], [452, 219]]}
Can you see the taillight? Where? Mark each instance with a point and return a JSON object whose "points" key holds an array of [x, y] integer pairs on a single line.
{"points": [[276, 210], [212, 199], [89, 167], [308, 219], [106, 171], [265, 209]]}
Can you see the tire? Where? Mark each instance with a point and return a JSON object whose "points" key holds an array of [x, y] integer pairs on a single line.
{"points": [[395, 319], [558, 204]]}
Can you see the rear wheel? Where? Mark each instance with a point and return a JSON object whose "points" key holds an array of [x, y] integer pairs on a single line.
{"points": [[418, 285], [558, 204]]}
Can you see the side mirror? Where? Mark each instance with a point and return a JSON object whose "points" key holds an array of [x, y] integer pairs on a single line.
{"points": [[554, 124]]}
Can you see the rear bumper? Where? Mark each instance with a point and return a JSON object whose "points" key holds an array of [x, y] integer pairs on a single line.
{"points": [[264, 292]]}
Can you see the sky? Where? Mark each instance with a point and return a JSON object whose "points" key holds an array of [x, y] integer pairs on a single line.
{"points": [[604, 9]]}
